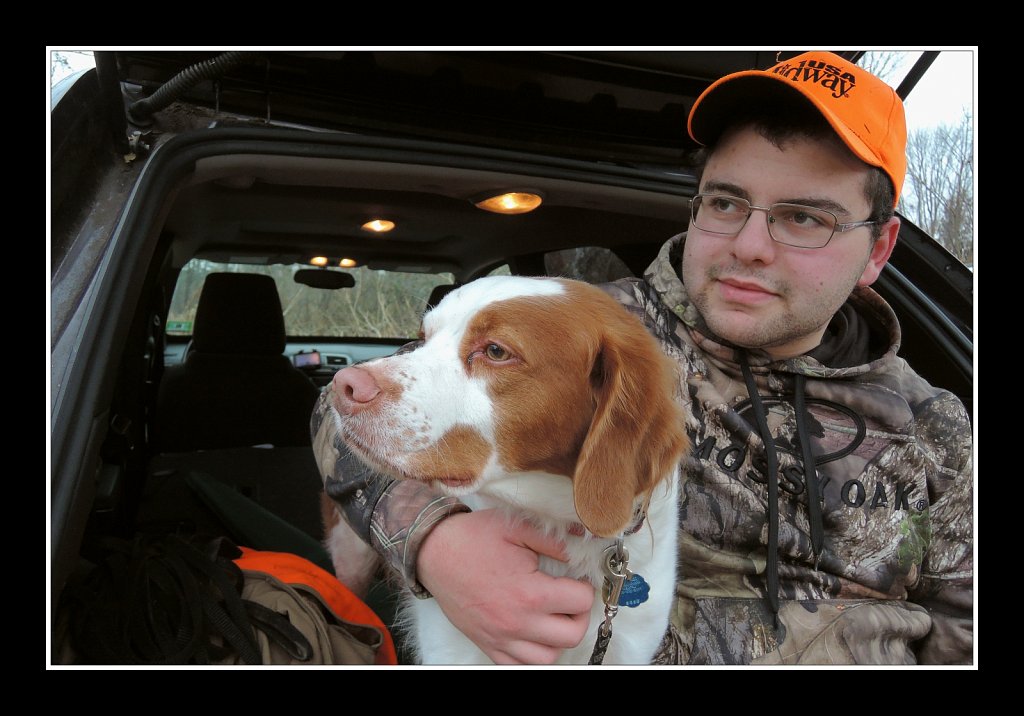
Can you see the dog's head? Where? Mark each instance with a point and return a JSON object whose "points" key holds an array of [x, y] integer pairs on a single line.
{"points": [[519, 376]]}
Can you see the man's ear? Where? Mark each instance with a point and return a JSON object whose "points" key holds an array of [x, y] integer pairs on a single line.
{"points": [[881, 250]]}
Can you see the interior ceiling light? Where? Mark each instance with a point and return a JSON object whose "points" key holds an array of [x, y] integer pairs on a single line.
{"points": [[319, 260], [348, 263], [513, 202], [379, 226]]}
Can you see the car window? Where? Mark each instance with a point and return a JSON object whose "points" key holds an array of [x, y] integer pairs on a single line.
{"points": [[381, 304]]}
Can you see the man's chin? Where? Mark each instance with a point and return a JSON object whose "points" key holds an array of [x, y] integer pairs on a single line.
{"points": [[739, 327], [759, 335]]}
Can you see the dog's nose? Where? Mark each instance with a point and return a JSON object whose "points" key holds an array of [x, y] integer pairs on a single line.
{"points": [[354, 388]]}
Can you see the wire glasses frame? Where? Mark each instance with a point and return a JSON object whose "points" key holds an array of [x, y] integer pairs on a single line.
{"points": [[805, 227]]}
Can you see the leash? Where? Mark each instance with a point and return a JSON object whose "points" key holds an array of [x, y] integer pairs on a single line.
{"points": [[621, 588]]}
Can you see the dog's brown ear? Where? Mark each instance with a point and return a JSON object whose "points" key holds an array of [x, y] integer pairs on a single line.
{"points": [[637, 436]]}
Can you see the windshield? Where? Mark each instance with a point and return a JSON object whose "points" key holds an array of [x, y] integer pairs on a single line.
{"points": [[382, 304]]}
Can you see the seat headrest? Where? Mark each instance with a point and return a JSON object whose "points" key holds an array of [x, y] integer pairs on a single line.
{"points": [[239, 313], [440, 292]]}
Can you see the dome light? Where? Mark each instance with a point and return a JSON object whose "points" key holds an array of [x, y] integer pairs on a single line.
{"points": [[513, 202], [379, 226]]}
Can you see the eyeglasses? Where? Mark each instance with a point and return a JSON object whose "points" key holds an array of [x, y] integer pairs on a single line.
{"points": [[805, 227]]}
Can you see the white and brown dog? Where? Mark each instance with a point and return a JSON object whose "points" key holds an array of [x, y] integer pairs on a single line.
{"points": [[546, 399]]}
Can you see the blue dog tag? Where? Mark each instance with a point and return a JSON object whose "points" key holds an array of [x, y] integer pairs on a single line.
{"points": [[634, 592]]}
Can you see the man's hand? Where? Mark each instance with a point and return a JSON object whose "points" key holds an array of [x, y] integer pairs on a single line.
{"points": [[484, 575]]}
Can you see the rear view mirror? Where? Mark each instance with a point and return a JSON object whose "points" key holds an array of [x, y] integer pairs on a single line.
{"points": [[324, 278]]}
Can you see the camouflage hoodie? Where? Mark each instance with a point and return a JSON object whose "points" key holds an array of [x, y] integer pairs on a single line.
{"points": [[880, 573], [891, 580]]}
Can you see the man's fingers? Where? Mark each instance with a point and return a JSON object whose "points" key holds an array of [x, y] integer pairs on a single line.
{"points": [[526, 652], [545, 644], [560, 612], [567, 596], [532, 538]]}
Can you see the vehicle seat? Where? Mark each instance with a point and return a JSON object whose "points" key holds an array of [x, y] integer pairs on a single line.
{"points": [[235, 387], [439, 292]]}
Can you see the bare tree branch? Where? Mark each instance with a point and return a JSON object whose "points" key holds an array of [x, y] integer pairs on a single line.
{"points": [[938, 194], [887, 66]]}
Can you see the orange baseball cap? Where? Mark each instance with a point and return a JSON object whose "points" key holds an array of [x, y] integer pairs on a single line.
{"points": [[865, 112]]}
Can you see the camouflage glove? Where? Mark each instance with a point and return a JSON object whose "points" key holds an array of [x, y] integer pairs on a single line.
{"points": [[393, 516]]}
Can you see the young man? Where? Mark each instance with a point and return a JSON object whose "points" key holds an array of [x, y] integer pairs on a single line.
{"points": [[826, 508]]}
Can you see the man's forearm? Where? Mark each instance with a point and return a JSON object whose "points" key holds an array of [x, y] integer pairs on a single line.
{"points": [[392, 516], [403, 517]]}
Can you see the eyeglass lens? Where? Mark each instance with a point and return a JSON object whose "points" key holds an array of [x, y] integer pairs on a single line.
{"points": [[792, 224]]}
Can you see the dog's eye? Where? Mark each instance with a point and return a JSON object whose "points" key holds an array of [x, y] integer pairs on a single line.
{"points": [[497, 353]]}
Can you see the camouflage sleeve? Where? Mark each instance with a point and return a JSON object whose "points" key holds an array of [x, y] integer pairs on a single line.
{"points": [[392, 516], [625, 291], [946, 586]]}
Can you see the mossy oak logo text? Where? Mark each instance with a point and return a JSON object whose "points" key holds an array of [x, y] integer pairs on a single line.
{"points": [[828, 76], [847, 435]]}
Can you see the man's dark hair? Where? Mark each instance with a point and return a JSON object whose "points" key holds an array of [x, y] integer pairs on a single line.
{"points": [[783, 122]]}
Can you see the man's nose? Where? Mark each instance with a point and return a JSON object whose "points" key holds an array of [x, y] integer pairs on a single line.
{"points": [[754, 242]]}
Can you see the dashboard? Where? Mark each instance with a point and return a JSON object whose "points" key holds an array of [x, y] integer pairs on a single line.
{"points": [[320, 359]]}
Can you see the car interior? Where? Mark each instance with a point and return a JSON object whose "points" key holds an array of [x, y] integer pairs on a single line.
{"points": [[206, 416], [215, 434]]}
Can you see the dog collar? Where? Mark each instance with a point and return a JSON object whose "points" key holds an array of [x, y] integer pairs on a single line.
{"points": [[578, 529]]}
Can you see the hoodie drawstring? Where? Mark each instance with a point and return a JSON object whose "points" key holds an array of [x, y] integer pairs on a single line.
{"points": [[810, 471], [811, 479], [772, 561]]}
